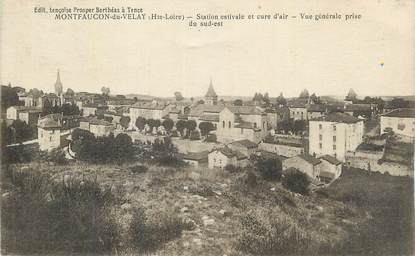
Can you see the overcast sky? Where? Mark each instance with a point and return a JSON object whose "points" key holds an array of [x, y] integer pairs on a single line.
{"points": [[326, 57]]}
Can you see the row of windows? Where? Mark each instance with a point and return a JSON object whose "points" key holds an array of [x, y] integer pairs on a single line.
{"points": [[321, 146], [320, 126], [321, 138]]}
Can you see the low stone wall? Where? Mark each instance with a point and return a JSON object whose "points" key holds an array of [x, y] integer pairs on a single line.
{"points": [[374, 165], [280, 149]]}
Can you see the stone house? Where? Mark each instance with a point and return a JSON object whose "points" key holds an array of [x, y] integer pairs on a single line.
{"points": [[330, 168], [98, 127], [401, 121], [246, 147], [304, 163], [242, 122], [221, 157], [30, 115], [196, 158]]}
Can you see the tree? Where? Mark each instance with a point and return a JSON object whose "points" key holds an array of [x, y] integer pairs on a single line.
{"points": [[180, 126], [22, 131], [258, 97], [281, 101], [194, 135], [153, 123], [83, 144], [178, 96], [270, 169], [206, 127], [314, 99], [105, 91], [304, 94], [266, 98], [123, 146], [191, 125], [168, 124], [140, 122], [399, 103], [351, 95], [125, 121], [9, 97], [238, 102], [296, 181], [70, 92], [299, 126], [201, 102]]}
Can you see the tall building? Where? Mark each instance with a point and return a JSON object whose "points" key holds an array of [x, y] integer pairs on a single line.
{"points": [[211, 98], [58, 85], [334, 135], [401, 121]]}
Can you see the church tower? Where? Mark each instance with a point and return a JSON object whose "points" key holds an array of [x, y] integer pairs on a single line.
{"points": [[58, 85], [211, 98], [59, 89]]}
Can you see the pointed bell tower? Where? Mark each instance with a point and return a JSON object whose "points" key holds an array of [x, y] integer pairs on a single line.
{"points": [[211, 98]]}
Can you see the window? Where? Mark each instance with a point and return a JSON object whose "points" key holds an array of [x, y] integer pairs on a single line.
{"points": [[334, 138], [321, 146], [320, 137], [254, 125], [334, 147], [320, 126], [242, 130], [229, 124], [334, 128], [223, 122]]}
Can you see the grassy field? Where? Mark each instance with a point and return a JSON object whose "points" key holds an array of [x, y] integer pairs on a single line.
{"points": [[241, 214]]}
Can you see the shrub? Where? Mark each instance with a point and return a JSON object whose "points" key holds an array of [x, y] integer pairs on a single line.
{"points": [[72, 216], [211, 138], [296, 181], [232, 168], [273, 235], [138, 168], [194, 135], [151, 232], [56, 155], [270, 169]]}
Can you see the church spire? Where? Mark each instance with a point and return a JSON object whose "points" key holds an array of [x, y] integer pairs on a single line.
{"points": [[58, 84]]}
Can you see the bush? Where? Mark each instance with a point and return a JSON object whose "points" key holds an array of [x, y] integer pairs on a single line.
{"points": [[211, 138], [270, 169], [150, 233], [45, 217], [138, 168], [194, 135], [56, 155], [232, 168], [273, 235], [296, 181]]}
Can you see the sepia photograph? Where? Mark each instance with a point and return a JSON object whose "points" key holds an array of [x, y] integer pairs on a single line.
{"points": [[207, 127]]}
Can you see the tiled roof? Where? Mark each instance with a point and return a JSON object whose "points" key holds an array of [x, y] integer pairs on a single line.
{"points": [[151, 106], [232, 153], [245, 143], [48, 123], [209, 118], [246, 110], [338, 118], [359, 107], [196, 156], [312, 160], [26, 108], [327, 174], [199, 110], [297, 104], [402, 112], [331, 159], [95, 121], [316, 108]]}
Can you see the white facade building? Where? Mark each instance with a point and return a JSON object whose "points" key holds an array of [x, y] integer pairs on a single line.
{"points": [[334, 135], [401, 121]]}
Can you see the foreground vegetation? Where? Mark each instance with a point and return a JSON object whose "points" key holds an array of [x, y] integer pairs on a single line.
{"points": [[139, 208]]}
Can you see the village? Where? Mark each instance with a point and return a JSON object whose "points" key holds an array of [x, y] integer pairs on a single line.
{"points": [[211, 160]]}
